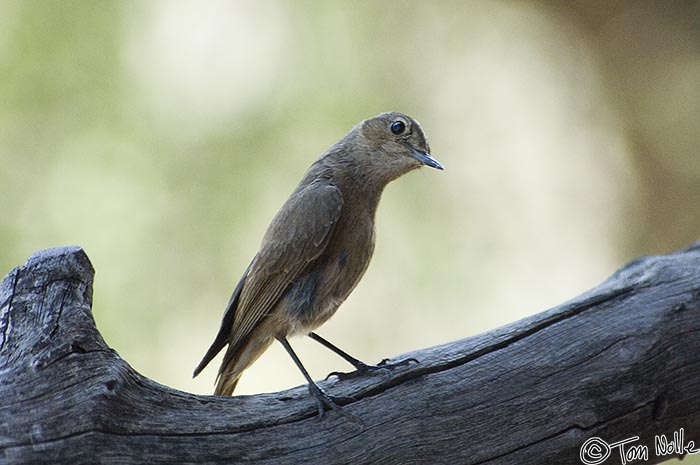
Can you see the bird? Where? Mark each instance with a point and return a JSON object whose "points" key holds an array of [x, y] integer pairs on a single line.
{"points": [[316, 249]]}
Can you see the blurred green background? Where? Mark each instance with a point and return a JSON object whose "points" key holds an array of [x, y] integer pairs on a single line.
{"points": [[162, 137]]}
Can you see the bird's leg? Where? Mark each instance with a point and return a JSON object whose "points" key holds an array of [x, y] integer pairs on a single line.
{"points": [[323, 400], [361, 367]]}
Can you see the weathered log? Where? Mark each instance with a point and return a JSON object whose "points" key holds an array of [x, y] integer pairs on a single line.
{"points": [[619, 361]]}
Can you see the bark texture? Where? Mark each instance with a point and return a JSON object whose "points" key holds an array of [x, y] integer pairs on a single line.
{"points": [[619, 361]]}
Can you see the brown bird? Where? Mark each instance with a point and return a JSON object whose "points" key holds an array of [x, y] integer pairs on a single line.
{"points": [[317, 248]]}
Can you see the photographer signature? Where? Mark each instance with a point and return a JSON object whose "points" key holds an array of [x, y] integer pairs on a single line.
{"points": [[596, 451]]}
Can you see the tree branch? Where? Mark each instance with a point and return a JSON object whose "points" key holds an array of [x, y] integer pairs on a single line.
{"points": [[619, 361]]}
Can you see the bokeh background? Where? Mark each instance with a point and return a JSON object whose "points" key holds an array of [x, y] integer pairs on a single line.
{"points": [[162, 137]]}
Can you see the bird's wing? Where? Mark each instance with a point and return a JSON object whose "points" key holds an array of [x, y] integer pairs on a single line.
{"points": [[222, 336], [297, 236]]}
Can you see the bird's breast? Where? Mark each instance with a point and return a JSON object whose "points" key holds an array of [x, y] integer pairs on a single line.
{"points": [[316, 295]]}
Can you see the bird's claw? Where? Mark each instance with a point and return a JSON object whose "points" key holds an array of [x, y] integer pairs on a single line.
{"points": [[383, 367], [402, 363], [325, 403]]}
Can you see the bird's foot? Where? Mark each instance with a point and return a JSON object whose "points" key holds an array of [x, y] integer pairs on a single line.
{"points": [[384, 367], [401, 363], [327, 403]]}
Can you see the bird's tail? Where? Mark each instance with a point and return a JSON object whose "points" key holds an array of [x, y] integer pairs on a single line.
{"points": [[226, 384], [236, 360]]}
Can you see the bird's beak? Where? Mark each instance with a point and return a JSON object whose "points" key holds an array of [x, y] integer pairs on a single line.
{"points": [[426, 159]]}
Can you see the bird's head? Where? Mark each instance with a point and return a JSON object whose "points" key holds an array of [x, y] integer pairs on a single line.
{"points": [[396, 144]]}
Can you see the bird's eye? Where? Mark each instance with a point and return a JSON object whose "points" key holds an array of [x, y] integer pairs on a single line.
{"points": [[398, 127]]}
